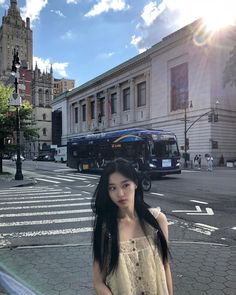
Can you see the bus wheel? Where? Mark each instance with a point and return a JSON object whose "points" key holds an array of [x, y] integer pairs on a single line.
{"points": [[80, 167]]}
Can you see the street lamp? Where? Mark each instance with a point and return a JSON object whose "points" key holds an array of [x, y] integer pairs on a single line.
{"points": [[16, 101], [186, 141]]}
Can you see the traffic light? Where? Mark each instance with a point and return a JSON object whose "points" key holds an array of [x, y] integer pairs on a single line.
{"points": [[210, 117]]}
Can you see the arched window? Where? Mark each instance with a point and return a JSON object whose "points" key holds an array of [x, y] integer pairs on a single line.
{"points": [[45, 131], [40, 97], [47, 97], [44, 117]]}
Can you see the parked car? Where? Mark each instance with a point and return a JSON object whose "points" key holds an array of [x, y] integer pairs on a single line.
{"points": [[6, 156], [14, 158], [44, 158]]}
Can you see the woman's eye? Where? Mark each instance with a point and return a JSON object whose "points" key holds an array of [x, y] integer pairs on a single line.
{"points": [[126, 185], [112, 188]]}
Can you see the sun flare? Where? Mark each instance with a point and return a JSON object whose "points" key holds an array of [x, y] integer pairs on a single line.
{"points": [[219, 14]]}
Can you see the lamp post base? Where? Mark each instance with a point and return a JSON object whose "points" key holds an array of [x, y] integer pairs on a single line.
{"points": [[18, 175]]}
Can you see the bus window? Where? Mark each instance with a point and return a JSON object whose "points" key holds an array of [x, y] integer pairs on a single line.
{"points": [[166, 149]]}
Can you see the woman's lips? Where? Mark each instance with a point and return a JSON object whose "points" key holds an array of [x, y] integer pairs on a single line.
{"points": [[122, 201]]}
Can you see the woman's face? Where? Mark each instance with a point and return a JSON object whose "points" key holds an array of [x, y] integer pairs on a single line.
{"points": [[121, 190]]}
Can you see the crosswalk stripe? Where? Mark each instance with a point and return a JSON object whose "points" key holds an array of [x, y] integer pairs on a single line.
{"points": [[59, 178], [74, 177], [47, 233], [41, 197], [85, 176], [39, 207], [42, 201], [47, 180], [44, 194], [22, 191], [43, 222], [47, 213]]}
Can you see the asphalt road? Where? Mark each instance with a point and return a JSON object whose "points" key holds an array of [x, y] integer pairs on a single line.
{"points": [[200, 206]]}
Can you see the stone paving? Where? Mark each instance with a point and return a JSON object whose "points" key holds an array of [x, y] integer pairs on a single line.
{"points": [[197, 269]]}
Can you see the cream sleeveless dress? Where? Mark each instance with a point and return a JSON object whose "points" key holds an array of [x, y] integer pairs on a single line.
{"points": [[140, 270]]}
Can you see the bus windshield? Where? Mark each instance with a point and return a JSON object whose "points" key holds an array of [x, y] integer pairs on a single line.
{"points": [[165, 148]]}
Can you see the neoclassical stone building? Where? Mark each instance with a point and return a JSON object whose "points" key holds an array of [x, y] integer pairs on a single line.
{"points": [[175, 84]]}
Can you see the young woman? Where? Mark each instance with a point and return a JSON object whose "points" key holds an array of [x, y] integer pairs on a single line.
{"points": [[130, 238]]}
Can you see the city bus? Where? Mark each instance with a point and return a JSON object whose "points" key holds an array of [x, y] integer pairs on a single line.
{"points": [[155, 151]]}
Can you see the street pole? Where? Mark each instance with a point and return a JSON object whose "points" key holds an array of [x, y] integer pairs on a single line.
{"points": [[15, 67], [18, 175], [185, 136]]}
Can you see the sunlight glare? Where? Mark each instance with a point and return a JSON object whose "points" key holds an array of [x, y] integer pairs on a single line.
{"points": [[219, 14]]}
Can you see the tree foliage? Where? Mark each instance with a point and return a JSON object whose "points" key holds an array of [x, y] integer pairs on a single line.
{"points": [[8, 118], [229, 76]]}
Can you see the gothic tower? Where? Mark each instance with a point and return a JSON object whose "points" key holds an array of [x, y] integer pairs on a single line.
{"points": [[14, 33]]}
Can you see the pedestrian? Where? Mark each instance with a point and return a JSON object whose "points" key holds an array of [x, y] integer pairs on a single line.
{"points": [[195, 161], [209, 163], [199, 161], [130, 239]]}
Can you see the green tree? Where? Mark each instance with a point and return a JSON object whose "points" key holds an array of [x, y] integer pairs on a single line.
{"points": [[229, 76], [8, 119]]}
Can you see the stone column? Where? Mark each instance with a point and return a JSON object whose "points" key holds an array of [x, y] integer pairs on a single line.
{"points": [[119, 103], [106, 119], [132, 100], [148, 95]]}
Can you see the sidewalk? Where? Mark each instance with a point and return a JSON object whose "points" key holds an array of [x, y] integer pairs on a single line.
{"points": [[8, 180], [197, 269]]}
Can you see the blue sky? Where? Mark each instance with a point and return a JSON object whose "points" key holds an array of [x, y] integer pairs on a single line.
{"points": [[85, 38]]}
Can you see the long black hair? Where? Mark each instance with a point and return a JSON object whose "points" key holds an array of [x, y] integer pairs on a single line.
{"points": [[105, 232]]}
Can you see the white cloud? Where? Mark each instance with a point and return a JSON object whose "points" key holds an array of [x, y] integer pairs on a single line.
{"points": [[151, 11], [69, 35], [2, 2], [58, 12], [33, 8], [45, 64], [106, 5], [106, 55], [60, 68], [159, 20], [72, 1]]}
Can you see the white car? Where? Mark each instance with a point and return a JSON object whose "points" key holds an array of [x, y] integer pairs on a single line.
{"points": [[14, 158]]}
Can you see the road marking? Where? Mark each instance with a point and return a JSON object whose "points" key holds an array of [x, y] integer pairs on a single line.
{"points": [[47, 180], [203, 228], [198, 211], [86, 185], [47, 233], [43, 201], [234, 228], [207, 226], [85, 176], [200, 202], [86, 192], [48, 213], [162, 195], [43, 222], [30, 191], [73, 177], [64, 169], [42, 206], [59, 178], [42, 197]]}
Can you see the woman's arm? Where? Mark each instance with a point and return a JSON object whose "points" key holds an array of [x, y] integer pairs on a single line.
{"points": [[98, 281], [164, 226]]}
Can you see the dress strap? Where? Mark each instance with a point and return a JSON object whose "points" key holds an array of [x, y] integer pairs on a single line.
{"points": [[155, 211]]}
